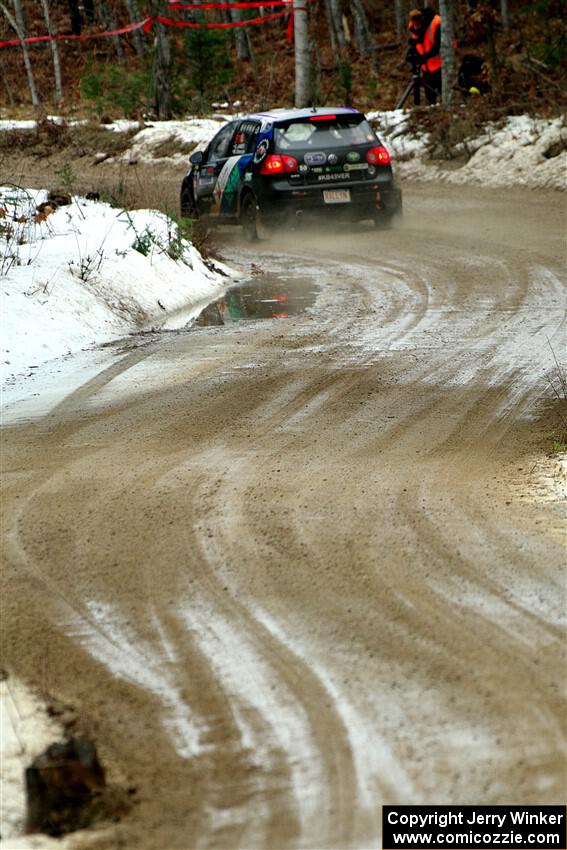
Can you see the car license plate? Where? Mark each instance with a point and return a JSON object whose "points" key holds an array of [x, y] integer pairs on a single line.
{"points": [[336, 196]]}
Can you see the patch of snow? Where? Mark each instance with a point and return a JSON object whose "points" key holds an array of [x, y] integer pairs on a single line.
{"points": [[523, 151], [7, 125], [194, 131], [122, 125], [76, 278], [107, 636], [41, 390]]}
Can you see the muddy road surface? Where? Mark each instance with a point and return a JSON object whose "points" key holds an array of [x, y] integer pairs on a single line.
{"points": [[288, 569]]}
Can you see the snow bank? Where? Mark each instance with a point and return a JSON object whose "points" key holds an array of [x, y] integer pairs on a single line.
{"points": [[189, 134], [88, 273], [523, 151]]}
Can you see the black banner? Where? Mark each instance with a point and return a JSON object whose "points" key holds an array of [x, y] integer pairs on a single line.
{"points": [[464, 827]]}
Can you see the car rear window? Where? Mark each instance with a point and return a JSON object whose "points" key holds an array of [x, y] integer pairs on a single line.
{"points": [[310, 133]]}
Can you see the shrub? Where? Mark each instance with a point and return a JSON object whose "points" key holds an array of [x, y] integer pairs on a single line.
{"points": [[108, 86]]}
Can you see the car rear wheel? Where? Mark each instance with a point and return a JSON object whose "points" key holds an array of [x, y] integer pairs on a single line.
{"points": [[383, 220], [249, 218]]}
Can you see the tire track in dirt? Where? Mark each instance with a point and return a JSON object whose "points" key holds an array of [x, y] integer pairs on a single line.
{"points": [[323, 801]]}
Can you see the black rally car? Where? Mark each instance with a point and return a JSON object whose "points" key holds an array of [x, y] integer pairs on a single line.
{"points": [[277, 166]]}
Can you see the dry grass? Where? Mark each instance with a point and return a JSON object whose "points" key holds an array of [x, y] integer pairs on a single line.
{"points": [[49, 137], [171, 147]]}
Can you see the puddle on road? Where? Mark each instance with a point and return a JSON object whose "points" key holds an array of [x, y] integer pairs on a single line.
{"points": [[268, 297]]}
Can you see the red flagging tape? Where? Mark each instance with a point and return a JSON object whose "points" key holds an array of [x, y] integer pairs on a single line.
{"points": [[147, 24], [245, 4], [144, 25], [170, 23]]}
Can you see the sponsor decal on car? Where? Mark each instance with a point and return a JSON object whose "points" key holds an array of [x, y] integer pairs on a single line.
{"points": [[223, 178], [353, 156], [229, 179], [340, 176], [355, 166], [261, 151], [315, 158], [332, 159]]}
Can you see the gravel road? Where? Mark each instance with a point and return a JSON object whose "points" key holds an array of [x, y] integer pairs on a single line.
{"points": [[286, 571]]}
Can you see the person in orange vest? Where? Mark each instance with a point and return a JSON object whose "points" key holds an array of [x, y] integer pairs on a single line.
{"points": [[425, 47]]}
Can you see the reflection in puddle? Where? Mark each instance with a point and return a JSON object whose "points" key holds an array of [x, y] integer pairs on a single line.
{"points": [[267, 298]]}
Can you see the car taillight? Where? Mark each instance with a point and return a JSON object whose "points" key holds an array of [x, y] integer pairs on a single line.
{"points": [[290, 164], [378, 156], [277, 164]]}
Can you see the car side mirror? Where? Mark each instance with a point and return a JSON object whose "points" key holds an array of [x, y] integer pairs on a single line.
{"points": [[196, 158]]}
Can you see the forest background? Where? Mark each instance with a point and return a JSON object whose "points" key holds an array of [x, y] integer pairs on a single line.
{"points": [[355, 54]]}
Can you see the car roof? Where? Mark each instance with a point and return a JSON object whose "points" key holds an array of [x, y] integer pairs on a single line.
{"points": [[290, 114]]}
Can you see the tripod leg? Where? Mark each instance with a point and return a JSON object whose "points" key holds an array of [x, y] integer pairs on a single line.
{"points": [[402, 101], [416, 91]]}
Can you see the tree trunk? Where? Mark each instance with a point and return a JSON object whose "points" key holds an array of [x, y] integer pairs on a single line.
{"points": [[6, 84], [162, 66], [446, 10], [302, 57], [76, 17], [54, 54], [240, 39], [134, 15], [109, 23], [504, 14], [251, 53], [401, 23], [19, 26], [315, 74], [336, 8], [331, 27], [365, 43]]}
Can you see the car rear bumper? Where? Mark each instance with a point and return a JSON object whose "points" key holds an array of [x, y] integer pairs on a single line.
{"points": [[366, 199]]}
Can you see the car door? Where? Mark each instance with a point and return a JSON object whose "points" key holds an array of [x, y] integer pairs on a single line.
{"points": [[235, 170], [206, 177]]}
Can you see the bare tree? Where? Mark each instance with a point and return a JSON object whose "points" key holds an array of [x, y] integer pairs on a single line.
{"points": [[54, 54], [364, 40], [109, 22], [331, 27], [302, 56], [88, 7], [75, 17], [334, 13], [134, 15], [504, 14], [241, 41], [162, 65], [18, 24], [400, 7], [447, 12], [6, 83]]}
